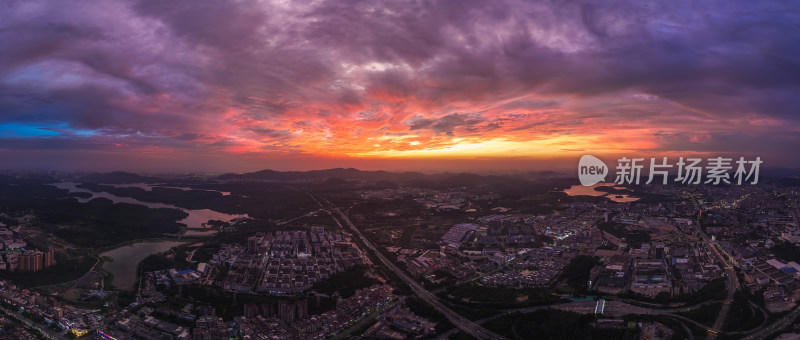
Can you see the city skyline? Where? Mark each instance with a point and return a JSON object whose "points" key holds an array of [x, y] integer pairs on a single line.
{"points": [[479, 86]]}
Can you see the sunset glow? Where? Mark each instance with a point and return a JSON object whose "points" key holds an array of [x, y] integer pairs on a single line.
{"points": [[316, 80]]}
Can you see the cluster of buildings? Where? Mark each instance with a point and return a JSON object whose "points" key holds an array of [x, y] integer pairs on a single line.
{"points": [[778, 281], [17, 258], [666, 256], [756, 229], [10, 238], [52, 312], [148, 327], [290, 320], [672, 268], [513, 249], [458, 234], [287, 261], [460, 265], [534, 267], [400, 323], [501, 230], [284, 320], [27, 260], [166, 278], [444, 201]]}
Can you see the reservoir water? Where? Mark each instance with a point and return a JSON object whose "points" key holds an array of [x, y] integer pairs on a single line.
{"points": [[126, 259], [196, 218], [581, 190]]}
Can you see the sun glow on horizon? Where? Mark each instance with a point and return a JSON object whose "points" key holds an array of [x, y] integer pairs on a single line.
{"points": [[499, 79]]}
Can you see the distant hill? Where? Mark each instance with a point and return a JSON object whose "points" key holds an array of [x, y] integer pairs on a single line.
{"points": [[344, 177], [314, 175], [387, 179]]}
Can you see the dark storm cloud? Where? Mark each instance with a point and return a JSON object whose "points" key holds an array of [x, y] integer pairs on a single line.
{"points": [[448, 123], [26, 41], [272, 133]]}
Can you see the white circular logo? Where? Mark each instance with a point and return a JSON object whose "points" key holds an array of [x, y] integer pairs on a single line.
{"points": [[591, 170]]}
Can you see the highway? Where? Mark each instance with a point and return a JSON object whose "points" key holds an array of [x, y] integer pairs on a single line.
{"points": [[458, 320], [733, 280], [617, 308], [776, 326], [614, 308], [733, 286]]}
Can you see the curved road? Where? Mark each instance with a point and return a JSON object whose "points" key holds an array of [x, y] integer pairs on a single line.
{"points": [[614, 308]]}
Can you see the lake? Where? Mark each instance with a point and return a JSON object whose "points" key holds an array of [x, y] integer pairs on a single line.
{"points": [[126, 258], [196, 219], [581, 190]]}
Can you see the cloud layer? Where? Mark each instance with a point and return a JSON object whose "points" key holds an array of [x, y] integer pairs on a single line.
{"points": [[373, 79]]}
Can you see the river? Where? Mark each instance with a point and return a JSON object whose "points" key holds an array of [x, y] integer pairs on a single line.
{"points": [[126, 259]]}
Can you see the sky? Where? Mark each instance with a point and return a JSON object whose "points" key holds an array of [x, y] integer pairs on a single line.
{"points": [[240, 85]]}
